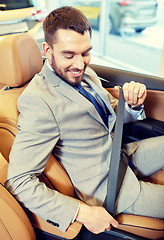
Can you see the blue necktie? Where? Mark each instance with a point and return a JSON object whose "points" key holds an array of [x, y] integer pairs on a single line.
{"points": [[97, 105]]}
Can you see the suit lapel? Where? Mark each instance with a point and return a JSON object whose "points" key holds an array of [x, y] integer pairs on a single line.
{"points": [[69, 92], [101, 93]]}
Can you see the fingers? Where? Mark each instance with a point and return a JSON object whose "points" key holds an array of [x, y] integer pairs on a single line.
{"points": [[108, 229], [134, 93], [96, 219], [113, 223]]}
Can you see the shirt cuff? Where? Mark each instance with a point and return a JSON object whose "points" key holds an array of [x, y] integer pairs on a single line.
{"points": [[74, 218], [140, 114]]}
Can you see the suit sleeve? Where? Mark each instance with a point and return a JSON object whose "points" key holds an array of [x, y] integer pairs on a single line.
{"points": [[37, 135], [129, 115]]}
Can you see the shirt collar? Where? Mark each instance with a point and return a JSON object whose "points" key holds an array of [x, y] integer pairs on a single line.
{"points": [[49, 66]]}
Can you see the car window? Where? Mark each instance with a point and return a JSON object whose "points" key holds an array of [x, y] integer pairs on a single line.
{"points": [[129, 34], [15, 4]]}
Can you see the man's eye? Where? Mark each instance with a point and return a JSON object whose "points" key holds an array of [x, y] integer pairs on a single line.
{"points": [[69, 56], [86, 54]]}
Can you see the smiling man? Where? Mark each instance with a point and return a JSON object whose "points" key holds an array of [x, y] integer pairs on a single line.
{"points": [[67, 57], [60, 115]]}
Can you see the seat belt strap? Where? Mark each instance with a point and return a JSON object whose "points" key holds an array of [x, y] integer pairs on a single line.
{"points": [[115, 163]]}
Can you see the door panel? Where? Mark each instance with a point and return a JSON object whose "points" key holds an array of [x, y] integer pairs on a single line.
{"points": [[153, 125]]}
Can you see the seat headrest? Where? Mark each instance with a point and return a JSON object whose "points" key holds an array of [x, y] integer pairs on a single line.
{"points": [[20, 59]]}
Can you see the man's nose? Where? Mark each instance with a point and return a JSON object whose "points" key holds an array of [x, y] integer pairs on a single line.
{"points": [[78, 62]]}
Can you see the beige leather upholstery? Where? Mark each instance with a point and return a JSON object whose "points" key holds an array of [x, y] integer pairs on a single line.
{"points": [[14, 223], [147, 227], [2, 85], [154, 105], [20, 59], [157, 177], [23, 56]]}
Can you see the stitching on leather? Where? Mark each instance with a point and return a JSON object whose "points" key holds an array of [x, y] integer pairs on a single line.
{"points": [[2, 226], [153, 229], [8, 130]]}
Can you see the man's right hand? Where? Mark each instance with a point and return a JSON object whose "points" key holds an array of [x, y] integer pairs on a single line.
{"points": [[95, 219]]}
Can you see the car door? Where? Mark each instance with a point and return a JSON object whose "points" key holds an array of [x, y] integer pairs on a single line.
{"points": [[153, 125]]}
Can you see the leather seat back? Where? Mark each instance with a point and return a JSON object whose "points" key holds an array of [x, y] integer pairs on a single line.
{"points": [[20, 60]]}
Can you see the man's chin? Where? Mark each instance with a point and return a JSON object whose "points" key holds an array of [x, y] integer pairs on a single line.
{"points": [[75, 81], [72, 82]]}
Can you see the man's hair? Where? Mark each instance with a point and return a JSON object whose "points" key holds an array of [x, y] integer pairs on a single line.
{"points": [[65, 18]]}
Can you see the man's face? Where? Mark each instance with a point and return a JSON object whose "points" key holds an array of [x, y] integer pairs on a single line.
{"points": [[70, 55]]}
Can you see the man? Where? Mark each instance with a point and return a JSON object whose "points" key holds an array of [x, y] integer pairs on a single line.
{"points": [[56, 118]]}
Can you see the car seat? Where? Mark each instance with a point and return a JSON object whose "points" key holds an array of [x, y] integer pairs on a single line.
{"points": [[20, 60]]}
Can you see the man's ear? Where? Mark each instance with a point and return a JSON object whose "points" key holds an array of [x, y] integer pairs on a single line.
{"points": [[47, 50]]}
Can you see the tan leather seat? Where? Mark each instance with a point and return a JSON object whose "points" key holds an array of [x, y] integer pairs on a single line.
{"points": [[21, 54], [14, 223]]}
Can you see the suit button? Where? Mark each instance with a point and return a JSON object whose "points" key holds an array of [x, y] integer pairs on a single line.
{"points": [[53, 223], [56, 224]]}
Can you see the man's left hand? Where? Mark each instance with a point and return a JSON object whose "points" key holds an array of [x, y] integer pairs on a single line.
{"points": [[134, 93]]}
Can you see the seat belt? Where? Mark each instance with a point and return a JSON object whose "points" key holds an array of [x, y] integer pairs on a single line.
{"points": [[117, 167]]}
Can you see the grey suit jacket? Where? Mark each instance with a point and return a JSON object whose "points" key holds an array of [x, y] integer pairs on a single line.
{"points": [[55, 118]]}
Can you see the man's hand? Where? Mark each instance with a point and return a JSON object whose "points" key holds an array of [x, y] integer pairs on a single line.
{"points": [[134, 93], [95, 219]]}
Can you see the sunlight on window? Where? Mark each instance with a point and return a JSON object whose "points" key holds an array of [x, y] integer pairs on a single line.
{"points": [[127, 34]]}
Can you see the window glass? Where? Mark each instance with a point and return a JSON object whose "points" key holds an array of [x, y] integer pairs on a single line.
{"points": [[135, 40], [128, 34], [14, 4]]}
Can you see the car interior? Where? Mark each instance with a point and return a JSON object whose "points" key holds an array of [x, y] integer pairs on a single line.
{"points": [[20, 60]]}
